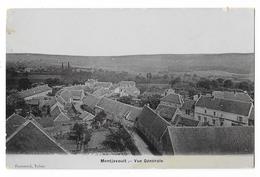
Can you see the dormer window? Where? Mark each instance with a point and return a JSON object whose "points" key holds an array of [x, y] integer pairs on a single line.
{"points": [[205, 111]]}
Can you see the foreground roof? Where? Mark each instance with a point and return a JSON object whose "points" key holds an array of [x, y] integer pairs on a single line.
{"points": [[12, 123], [231, 106], [34, 91], [172, 98], [30, 138], [152, 123], [119, 109], [212, 140]]}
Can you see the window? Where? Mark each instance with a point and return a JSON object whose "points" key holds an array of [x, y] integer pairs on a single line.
{"points": [[213, 121], [199, 118], [205, 111], [205, 119], [214, 113]]}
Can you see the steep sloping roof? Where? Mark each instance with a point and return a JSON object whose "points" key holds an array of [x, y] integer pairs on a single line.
{"points": [[172, 98], [86, 116], [165, 111], [181, 120], [102, 92], [58, 114], [30, 138], [152, 122], [66, 95], [34, 91], [119, 109], [236, 96], [12, 123], [91, 100], [212, 140], [235, 107]]}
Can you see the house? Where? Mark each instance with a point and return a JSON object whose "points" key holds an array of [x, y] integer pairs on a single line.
{"points": [[117, 111], [59, 116], [208, 140], [86, 116], [222, 112], [38, 91], [236, 96], [181, 120], [30, 138], [77, 95], [152, 126], [91, 101], [167, 112], [172, 99], [13, 122], [102, 91], [188, 107]]}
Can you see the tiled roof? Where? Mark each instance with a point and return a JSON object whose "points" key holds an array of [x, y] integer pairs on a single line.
{"points": [[119, 109], [172, 98], [34, 91], [66, 95], [102, 92], [30, 138], [236, 96], [12, 123], [58, 114], [165, 111], [235, 107], [181, 120], [152, 122], [212, 140], [86, 116], [91, 100]]}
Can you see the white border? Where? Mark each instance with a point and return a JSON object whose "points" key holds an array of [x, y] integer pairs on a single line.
{"points": [[5, 4]]}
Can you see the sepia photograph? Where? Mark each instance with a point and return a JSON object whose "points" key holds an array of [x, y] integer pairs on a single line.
{"points": [[130, 87]]}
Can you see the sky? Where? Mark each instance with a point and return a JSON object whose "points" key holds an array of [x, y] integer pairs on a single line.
{"points": [[104, 32]]}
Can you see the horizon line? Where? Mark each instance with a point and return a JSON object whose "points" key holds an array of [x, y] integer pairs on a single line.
{"points": [[133, 54]]}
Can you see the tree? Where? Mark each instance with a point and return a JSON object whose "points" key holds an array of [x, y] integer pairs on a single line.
{"points": [[228, 84], [15, 101], [24, 84], [152, 100], [53, 81], [244, 86], [204, 83], [78, 128], [220, 80], [214, 84], [175, 81]]}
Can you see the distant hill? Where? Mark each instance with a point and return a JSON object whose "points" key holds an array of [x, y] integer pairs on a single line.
{"points": [[230, 62]]}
